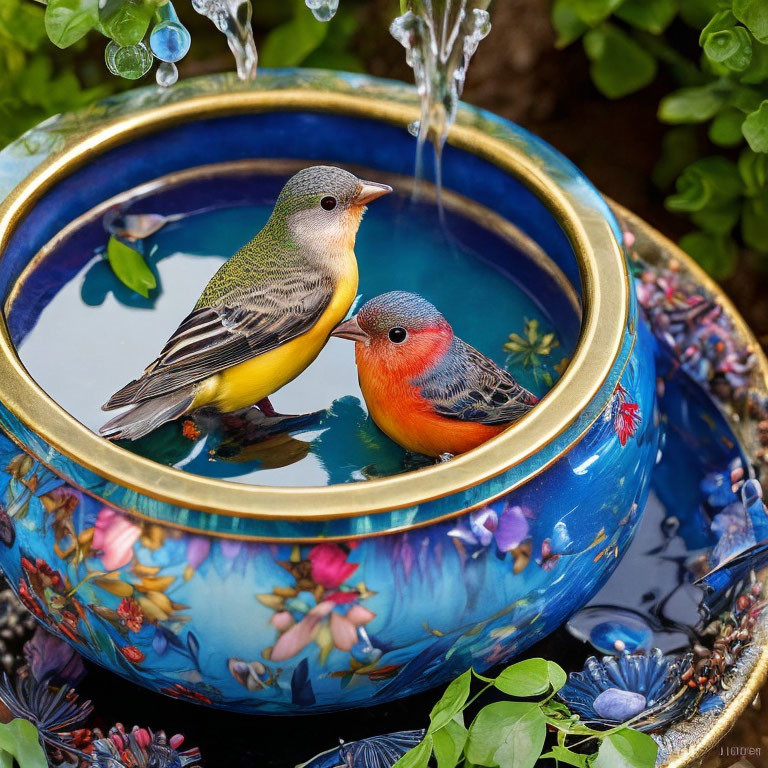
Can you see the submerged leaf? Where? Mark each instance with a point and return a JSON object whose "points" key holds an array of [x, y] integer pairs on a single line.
{"points": [[129, 267]]}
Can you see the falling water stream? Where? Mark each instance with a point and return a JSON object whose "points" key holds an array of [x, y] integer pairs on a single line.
{"points": [[439, 37]]}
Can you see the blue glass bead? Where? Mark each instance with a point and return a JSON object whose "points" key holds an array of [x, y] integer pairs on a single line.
{"points": [[614, 637], [169, 39]]}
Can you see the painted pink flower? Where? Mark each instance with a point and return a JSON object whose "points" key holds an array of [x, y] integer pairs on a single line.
{"points": [[299, 636], [329, 565], [114, 536]]}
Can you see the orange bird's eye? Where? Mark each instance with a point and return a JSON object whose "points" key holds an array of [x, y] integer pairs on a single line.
{"points": [[328, 203], [397, 335]]}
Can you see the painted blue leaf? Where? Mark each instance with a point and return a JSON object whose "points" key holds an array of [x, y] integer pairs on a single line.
{"points": [[159, 643], [301, 686], [194, 647]]}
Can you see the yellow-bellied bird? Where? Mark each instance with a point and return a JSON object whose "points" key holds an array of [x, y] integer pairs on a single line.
{"points": [[265, 315]]}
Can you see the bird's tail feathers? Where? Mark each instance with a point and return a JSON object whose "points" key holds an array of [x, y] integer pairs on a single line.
{"points": [[148, 416], [122, 397]]}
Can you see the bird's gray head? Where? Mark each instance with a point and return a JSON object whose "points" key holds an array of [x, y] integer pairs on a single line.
{"points": [[398, 323], [325, 204]]}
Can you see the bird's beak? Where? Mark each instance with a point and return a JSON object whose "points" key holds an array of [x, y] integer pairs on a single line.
{"points": [[350, 329], [370, 190]]}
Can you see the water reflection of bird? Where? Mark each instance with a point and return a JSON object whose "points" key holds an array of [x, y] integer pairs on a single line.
{"points": [[265, 315], [427, 389]]}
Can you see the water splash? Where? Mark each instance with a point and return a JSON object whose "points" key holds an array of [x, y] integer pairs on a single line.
{"points": [[323, 10], [233, 18], [439, 37]]}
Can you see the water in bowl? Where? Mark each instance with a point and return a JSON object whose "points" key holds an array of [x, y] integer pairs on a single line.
{"points": [[82, 334]]}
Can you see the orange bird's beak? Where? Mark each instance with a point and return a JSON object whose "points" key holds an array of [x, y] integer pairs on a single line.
{"points": [[370, 190], [350, 329]]}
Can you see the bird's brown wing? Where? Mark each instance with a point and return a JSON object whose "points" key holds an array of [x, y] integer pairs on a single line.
{"points": [[468, 386], [211, 339]]}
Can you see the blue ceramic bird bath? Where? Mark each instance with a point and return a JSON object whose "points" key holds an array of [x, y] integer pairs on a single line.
{"points": [[311, 597]]}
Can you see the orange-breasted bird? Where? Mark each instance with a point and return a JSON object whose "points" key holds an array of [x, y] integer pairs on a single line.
{"points": [[267, 312], [425, 388]]}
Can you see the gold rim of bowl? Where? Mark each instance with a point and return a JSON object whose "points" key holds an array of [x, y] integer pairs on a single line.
{"points": [[605, 298]]}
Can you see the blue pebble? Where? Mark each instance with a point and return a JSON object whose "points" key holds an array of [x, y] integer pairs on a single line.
{"points": [[615, 704], [612, 637]]}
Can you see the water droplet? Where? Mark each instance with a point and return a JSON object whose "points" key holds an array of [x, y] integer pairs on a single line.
{"points": [[615, 704], [169, 39], [128, 61], [613, 637], [166, 74], [233, 19], [323, 10], [413, 127]]}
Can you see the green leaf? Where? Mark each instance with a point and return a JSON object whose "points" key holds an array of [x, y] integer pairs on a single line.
{"points": [[753, 170], [290, 43], [592, 12], [127, 21], [526, 678], [626, 749], [6, 759], [129, 266], [694, 105], [722, 20], [716, 254], [755, 128], [567, 23], [711, 181], [451, 702], [679, 148], [67, 21], [653, 16], [753, 14], [619, 65], [730, 47], [725, 129], [717, 219], [757, 71], [508, 733], [418, 757], [448, 743], [557, 676], [564, 755], [21, 739], [754, 223]]}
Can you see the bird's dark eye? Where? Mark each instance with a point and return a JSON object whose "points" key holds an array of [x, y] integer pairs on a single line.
{"points": [[328, 203], [398, 335]]}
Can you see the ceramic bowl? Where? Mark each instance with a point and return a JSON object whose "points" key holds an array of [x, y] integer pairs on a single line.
{"points": [[286, 600]]}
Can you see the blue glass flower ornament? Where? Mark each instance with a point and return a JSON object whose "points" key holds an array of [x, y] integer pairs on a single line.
{"points": [[627, 687]]}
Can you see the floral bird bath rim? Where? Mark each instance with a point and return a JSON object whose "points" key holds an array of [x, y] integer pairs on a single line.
{"points": [[295, 600]]}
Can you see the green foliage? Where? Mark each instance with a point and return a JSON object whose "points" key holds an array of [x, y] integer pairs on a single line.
{"points": [[32, 85], [513, 733], [724, 88], [20, 743]]}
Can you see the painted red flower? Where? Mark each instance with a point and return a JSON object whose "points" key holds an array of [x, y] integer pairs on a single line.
{"points": [[626, 417], [29, 602], [132, 653], [178, 691], [131, 614], [330, 568]]}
